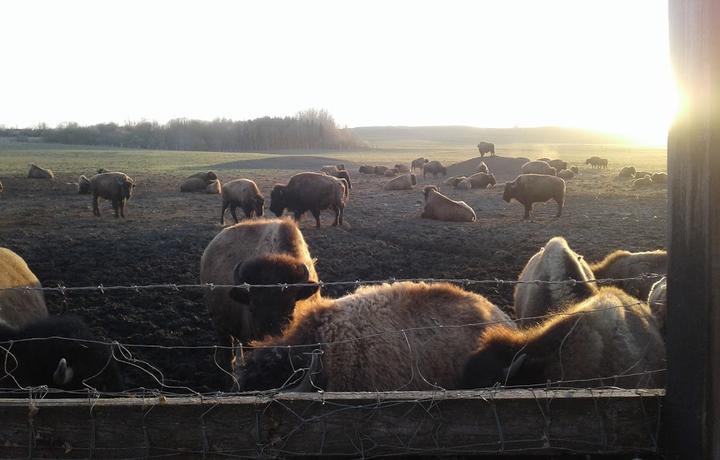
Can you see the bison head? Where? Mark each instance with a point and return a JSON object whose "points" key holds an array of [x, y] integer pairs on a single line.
{"points": [[278, 200], [499, 361], [126, 187], [509, 192], [271, 308], [259, 206], [428, 189], [211, 176], [284, 368]]}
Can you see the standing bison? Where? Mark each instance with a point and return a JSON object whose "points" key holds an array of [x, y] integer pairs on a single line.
{"points": [[114, 186], [486, 147], [243, 194], [310, 192], [418, 163], [528, 189], [434, 167]]}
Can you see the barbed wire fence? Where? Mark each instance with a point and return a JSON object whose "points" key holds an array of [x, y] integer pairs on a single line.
{"points": [[420, 417]]}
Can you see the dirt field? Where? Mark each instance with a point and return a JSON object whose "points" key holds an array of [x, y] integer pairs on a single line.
{"points": [[53, 228]]}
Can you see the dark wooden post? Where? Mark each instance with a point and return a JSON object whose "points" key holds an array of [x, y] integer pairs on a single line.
{"points": [[692, 410]]}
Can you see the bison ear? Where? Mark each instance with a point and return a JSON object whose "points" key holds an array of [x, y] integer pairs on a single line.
{"points": [[238, 294], [514, 367], [306, 291], [63, 373]]}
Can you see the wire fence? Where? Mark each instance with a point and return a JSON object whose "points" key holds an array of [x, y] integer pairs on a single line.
{"points": [[434, 426]]}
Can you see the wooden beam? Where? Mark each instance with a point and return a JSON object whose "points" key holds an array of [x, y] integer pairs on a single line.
{"points": [[347, 424], [692, 418]]}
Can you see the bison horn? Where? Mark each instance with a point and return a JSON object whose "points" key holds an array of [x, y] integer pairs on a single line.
{"points": [[63, 373]]}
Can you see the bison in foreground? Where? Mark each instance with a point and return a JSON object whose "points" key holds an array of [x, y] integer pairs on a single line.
{"points": [[355, 343], [365, 169], [37, 357], [310, 192], [552, 264], [36, 172], [529, 189], [627, 172], [440, 207], [243, 194], [338, 171], [610, 339], [260, 251], [114, 186], [566, 174]]}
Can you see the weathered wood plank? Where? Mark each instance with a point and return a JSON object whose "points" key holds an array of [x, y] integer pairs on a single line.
{"points": [[352, 424], [692, 419]]}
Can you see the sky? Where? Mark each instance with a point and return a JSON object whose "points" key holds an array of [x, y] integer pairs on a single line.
{"points": [[597, 64]]}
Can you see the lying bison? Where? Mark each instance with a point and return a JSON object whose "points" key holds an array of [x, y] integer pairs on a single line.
{"points": [[434, 168], [440, 207], [627, 172], [260, 251], [243, 194], [350, 346], [404, 182], [558, 164], [310, 192], [114, 186], [36, 172], [37, 357], [528, 189], [538, 167], [482, 180], [214, 187], [482, 168], [193, 185]]}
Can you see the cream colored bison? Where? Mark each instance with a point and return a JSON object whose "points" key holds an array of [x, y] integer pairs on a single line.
{"points": [[261, 251], [310, 192], [464, 184], [566, 174], [625, 264], [657, 301], [552, 264], [486, 147], [538, 167], [440, 207], [528, 189], [610, 339], [403, 182], [243, 194], [660, 178], [36, 172], [114, 186], [338, 171], [380, 170], [482, 180], [214, 187], [18, 308], [434, 168], [392, 172], [482, 168], [641, 174], [418, 163], [357, 343], [644, 182], [83, 186]]}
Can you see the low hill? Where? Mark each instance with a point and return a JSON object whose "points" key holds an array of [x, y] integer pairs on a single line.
{"points": [[504, 168], [300, 162], [467, 135]]}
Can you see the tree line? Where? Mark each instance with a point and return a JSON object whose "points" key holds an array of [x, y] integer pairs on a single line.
{"points": [[309, 129]]}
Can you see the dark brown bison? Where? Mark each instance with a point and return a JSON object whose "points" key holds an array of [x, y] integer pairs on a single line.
{"points": [[528, 189], [486, 147], [434, 167], [114, 186], [310, 192]]}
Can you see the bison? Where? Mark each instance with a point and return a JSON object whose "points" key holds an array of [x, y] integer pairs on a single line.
{"points": [[482, 168], [214, 187], [243, 194], [486, 147], [538, 167], [257, 252], [193, 185], [379, 338], [36, 356], [610, 339], [418, 163], [365, 169], [566, 174], [552, 264], [627, 172], [624, 264], [660, 178], [482, 180], [403, 182], [310, 192], [83, 186], [36, 172], [440, 207], [338, 171], [434, 168], [528, 189], [114, 186]]}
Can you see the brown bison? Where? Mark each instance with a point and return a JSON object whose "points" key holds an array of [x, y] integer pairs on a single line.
{"points": [[310, 192], [610, 339], [418, 163], [355, 343], [625, 264], [243, 194], [434, 168], [486, 147], [36, 172], [482, 180], [114, 186], [261, 251], [528, 189]]}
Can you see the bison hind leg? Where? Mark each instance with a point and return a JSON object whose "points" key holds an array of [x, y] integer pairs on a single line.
{"points": [[316, 215]]}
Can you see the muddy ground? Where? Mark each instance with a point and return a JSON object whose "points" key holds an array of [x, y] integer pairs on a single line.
{"points": [[162, 239]]}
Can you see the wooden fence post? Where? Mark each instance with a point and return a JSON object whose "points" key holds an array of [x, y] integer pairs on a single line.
{"points": [[692, 406]]}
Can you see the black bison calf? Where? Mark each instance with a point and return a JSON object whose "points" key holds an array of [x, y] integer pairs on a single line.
{"points": [[528, 189], [114, 186], [310, 192]]}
